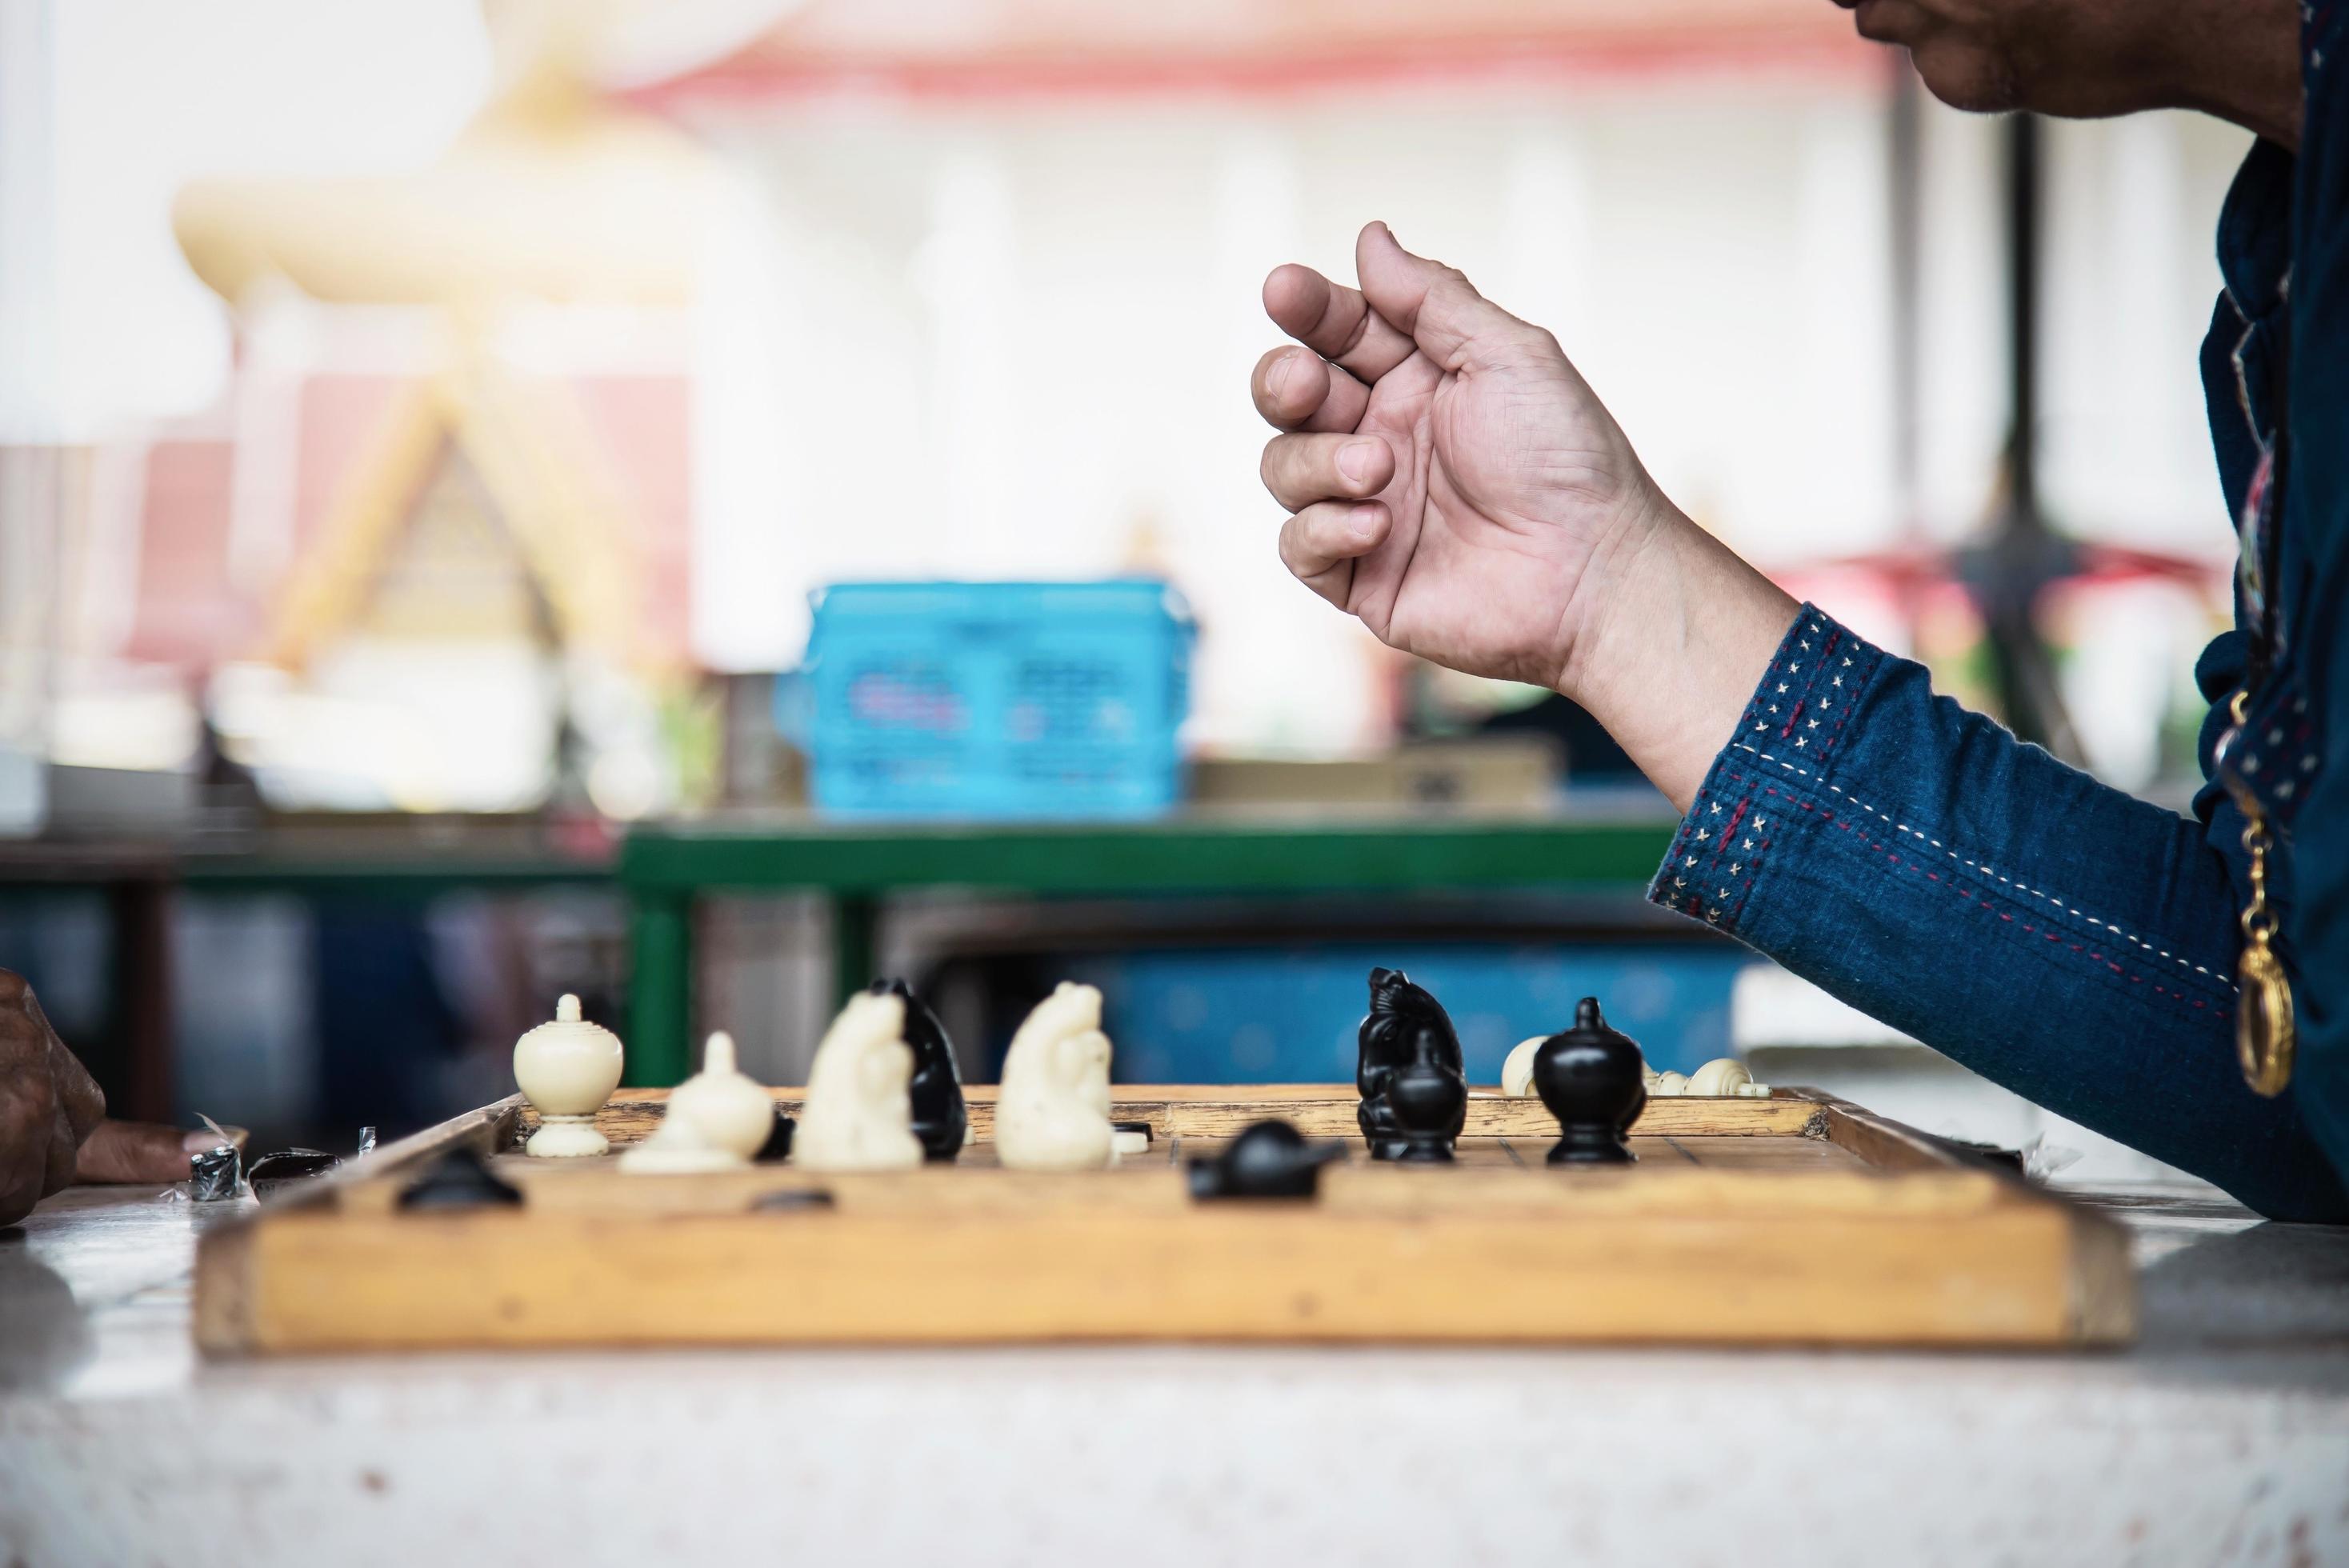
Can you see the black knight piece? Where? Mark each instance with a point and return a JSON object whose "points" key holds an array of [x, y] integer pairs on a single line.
{"points": [[778, 1147], [1589, 1077], [1415, 1091], [941, 1119]]}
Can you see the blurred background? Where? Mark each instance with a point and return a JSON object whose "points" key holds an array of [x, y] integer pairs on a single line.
{"points": [[427, 425]]}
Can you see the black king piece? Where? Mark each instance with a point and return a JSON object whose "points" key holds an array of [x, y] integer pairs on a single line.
{"points": [[941, 1120], [1415, 1091]]}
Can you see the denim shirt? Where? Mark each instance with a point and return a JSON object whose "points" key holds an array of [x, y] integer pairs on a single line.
{"points": [[2054, 935]]}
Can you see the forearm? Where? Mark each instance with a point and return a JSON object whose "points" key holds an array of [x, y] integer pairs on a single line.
{"points": [[2054, 935], [1675, 632]]}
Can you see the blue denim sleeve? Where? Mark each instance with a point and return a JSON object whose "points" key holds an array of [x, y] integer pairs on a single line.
{"points": [[2053, 935]]}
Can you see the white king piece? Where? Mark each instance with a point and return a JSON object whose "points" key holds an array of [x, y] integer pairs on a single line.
{"points": [[1052, 1111], [858, 1115], [568, 1069]]}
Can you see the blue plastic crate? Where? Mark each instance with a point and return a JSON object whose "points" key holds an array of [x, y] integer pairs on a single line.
{"points": [[1035, 700]]}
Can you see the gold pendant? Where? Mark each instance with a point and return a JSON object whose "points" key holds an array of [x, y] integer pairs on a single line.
{"points": [[2263, 1026]]}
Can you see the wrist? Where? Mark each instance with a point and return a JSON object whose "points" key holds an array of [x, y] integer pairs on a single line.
{"points": [[1628, 569], [1674, 633]]}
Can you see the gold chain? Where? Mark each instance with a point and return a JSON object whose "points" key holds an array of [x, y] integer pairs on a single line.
{"points": [[2264, 1035]]}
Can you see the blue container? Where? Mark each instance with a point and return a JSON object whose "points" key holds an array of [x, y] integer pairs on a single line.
{"points": [[1005, 700]]}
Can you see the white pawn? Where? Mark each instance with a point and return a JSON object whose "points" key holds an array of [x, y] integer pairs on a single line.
{"points": [[568, 1069], [716, 1120], [859, 1115], [1667, 1086], [1517, 1071], [1052, 1113], [1728, 1076]]}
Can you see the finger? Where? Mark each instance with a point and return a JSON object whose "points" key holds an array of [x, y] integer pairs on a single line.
{"points": [[1333, 321], [1297, 389], [28, 1127], [140, 1152], [1443, 313], [1301, 470], [1320, 545], [80, 1100]]}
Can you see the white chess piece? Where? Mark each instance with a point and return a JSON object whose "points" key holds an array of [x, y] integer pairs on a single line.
{"points": [[568, 1069], [859, 1116], [1726, 1076], [1667, 1086], [1517, 1071], [716, 1120], [1052, 1113]]}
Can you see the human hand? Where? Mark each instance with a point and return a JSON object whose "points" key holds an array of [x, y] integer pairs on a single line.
{"points": [[1456, 485], [1455, 482], [53, 1126]]}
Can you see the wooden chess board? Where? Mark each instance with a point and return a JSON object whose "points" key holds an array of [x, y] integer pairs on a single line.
{"points": [[1794, 1218]]}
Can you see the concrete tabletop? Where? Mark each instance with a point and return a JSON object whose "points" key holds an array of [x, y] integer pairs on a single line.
{"points": [[2221, 1437]]}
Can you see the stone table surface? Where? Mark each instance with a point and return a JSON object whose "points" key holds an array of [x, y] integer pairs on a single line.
{"points": [[2221, 1437]]}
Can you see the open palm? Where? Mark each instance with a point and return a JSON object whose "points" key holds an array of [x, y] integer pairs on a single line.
{"points": [[1452, 477]]}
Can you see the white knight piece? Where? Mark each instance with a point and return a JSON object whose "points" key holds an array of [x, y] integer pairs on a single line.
{"points": [[1052, 1113], [859, 1115]]}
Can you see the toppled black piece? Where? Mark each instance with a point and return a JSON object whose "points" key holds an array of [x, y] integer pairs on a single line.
{"points": [[793, 1199], [286, 1166], [459, 1180], [1267, 1160]]}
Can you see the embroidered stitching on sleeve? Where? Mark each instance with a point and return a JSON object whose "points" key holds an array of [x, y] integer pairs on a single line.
{"points": [[1985, 870]]}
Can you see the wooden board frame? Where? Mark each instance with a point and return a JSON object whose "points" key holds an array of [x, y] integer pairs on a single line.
{"points": [[1798, 1219]]}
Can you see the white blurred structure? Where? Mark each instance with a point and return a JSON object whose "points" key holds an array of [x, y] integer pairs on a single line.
{"points": [[1004, 330]]}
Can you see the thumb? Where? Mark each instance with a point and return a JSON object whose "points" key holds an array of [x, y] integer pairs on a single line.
{"points": [[137, 1151], [1435, 304]]}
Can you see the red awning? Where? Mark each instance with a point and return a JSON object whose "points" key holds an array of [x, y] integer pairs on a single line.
{"points": [[959, 48]]}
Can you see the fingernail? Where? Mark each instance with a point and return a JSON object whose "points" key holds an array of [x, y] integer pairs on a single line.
{"points": [[1277, 377], [199, 1142], [1354, 461], [1365, 522]]}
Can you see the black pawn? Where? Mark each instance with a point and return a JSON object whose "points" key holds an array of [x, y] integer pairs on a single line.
{"points": [[1415, 1091], [1267, 1160], [1589, 1077], [459, 1180], [941, 1119]]}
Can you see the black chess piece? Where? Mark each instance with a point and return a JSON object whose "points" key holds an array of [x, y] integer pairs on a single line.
{"points": [[287, 1166], [941, 1119], [459, 1180], [1267, 1160], [778, 1147], [1415, 1091], [1589, 1077]]}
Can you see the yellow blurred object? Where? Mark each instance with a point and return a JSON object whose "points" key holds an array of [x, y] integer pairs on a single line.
{"points": [[554, 194]]}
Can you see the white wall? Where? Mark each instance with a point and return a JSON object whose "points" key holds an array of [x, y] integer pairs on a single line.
{"points": [[1002, 338]]}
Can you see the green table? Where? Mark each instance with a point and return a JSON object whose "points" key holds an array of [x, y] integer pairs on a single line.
{"points": [[663, 869]]}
